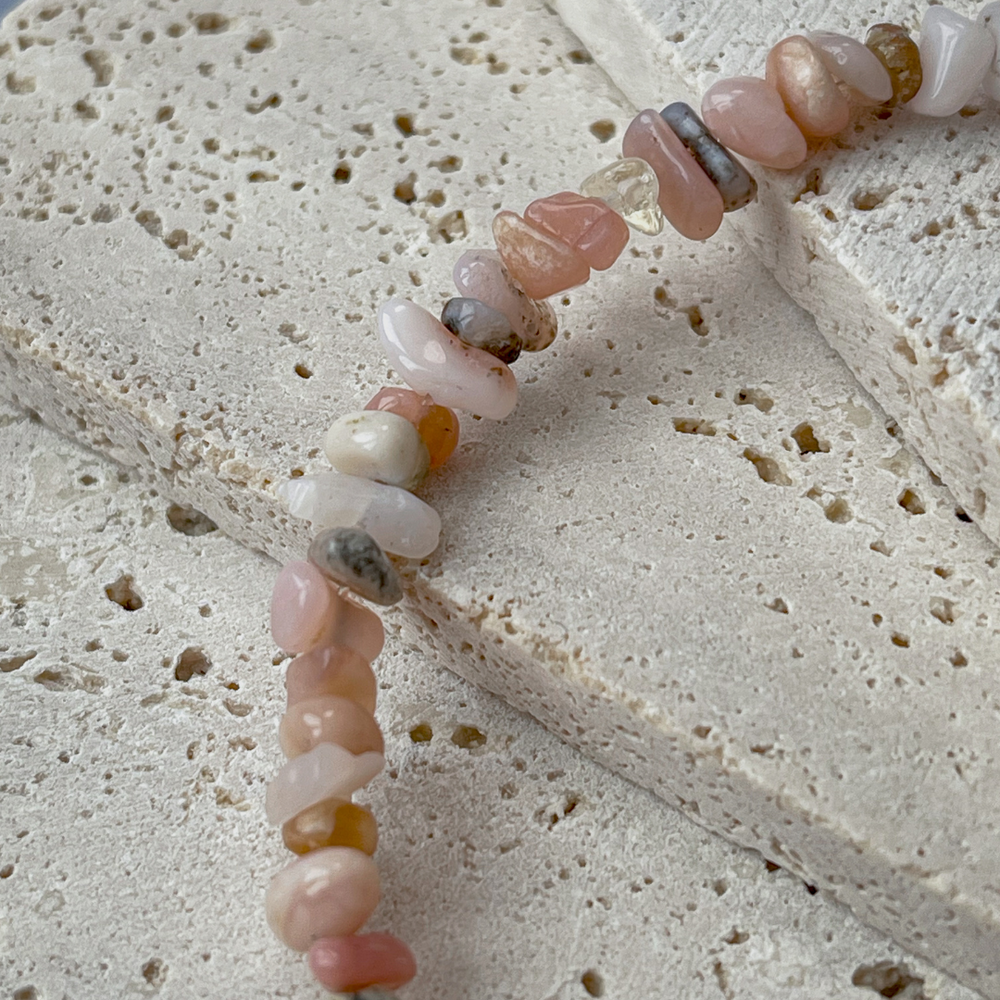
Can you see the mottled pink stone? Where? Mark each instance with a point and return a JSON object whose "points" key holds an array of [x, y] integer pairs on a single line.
{"points": [[300, 607], [748, 115], [590, 226], [540, 263], [811, 95], [688, 199], [331, 670], [344, 964]]}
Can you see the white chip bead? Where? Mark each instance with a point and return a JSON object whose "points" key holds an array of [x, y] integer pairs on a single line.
{"points": [[379, 445], [954, 57], [854, 64], [325, 772], [429, 358], [400, 522], [330, 892], [989, 18]]}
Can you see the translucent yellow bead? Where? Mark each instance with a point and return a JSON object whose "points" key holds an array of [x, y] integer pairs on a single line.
{"points": [[331, 823], [628, 186]]}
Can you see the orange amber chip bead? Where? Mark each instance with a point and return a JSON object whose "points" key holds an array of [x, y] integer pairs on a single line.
{"points": [[436, 425], [331, 823]]}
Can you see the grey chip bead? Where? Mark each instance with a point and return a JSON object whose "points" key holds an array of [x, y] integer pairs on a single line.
{"points": [[482, 326], [352, 558], [733, 180]]}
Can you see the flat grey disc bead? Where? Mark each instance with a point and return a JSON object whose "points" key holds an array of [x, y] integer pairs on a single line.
{"points": [[352, 558], [735, 184], [479, 325]]}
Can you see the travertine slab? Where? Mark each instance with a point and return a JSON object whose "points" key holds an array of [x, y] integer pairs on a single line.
{"points": [[698, 550], [136, 744], [889, 234]]}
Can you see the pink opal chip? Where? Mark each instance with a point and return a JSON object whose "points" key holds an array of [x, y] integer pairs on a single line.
{"points": [[331, 670], [329, 719], [353, 625], [811, 95], [593, 229], [300, 607], [344, 964], [688, 198], [748, 115], [540, 263], [326, 893]]}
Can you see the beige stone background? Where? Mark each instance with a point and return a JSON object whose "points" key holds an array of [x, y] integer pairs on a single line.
{"points": [[699, 550]]}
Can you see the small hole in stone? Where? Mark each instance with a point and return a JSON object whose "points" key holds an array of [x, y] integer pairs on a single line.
{"points": [[341, 173], [900, 640], [468, 737], [123, 593], [888, 980], [11, 663], [191, 661], [189, 521], [962, 516], [261, 41], [404, 190], [302, 371], [603, 130], [405, 124], [421, 733], [593, 983], [6, 871], [211, 24], [910, 502], [805, 438], [25, 993], [154, 972]]}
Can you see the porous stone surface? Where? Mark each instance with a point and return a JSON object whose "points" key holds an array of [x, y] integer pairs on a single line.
{"points": [[135, 743], [887, 234], [698, 550]]}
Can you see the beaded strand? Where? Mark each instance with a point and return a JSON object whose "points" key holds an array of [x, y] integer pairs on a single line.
{"points": [[676, 166]]}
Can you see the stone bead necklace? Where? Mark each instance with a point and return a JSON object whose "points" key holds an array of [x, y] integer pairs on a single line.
{"points": [[675, 166]]}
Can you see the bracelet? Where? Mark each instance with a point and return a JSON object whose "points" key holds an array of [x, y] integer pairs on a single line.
{"points": [[676, 166]]}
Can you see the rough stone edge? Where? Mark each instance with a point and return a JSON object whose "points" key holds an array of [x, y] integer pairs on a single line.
{"points": [[606, 718], [614, 728], [947, 429]]}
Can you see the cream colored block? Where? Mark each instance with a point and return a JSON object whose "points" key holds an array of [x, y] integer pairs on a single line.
{"points": [[134, 851], [888, 234], [698, 550]]}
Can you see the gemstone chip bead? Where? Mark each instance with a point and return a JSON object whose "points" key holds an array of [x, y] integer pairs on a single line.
{"points": [[482, 326], [480, 274], [351, 558], [688, 198], [811, 95], [730, 177], [899, 54], [593, 229], [955, 55], [629, 187], [748, 115], [542, 264]]}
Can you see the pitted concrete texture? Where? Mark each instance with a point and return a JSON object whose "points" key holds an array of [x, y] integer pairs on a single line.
{"points": [[135, 749], [698, 550], [889, 234]]}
